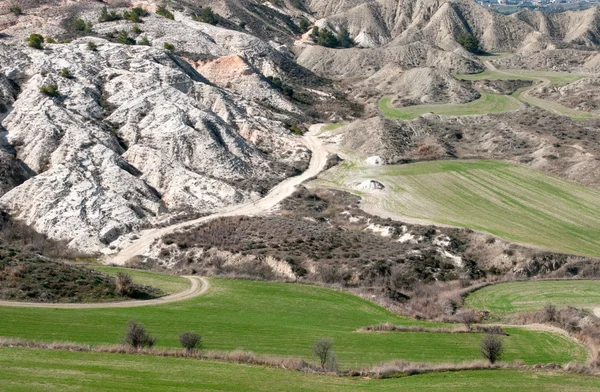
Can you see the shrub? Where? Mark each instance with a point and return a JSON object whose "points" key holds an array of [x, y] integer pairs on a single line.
{"points": [[65, 73], [140, 12], [550, 313], [106, 16], [322, 349], [327, 39], [125, 284], [190, 341], [144, 41], [137, 337], [469, 42], [16, 10], [50, 90], [35, 41], [124, 38], [296, 130], [304, 25], [163, 11], [207, 15], [169, 47], [136, 29], [82, 26], [467, 317], [492, 347], [92, 46], [50, 40]]}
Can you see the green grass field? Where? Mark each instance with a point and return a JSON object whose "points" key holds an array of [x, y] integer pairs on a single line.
{"points": [[513, 297], [332, 126], [551, 106], [510, 201], [35, 370], [487, 103], [168, 284], [282, 320]]}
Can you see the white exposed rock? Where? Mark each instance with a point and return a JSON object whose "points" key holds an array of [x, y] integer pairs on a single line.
{"points": [[369, 185], [384, 231], [375, 160]]}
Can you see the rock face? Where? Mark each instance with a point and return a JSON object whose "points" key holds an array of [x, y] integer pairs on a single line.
{"points": [[134, 133]]}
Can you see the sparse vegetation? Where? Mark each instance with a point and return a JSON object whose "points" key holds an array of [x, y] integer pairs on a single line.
{"points": [[50, 90], [326, 38], [91, 46], [207, 15], [164, 12], [304, 25], [144, 41], [35, 41], [169, 47], [82, 26], [65, 73], [111, 16], [50, 40], [18, 11], [136, 29], [124, 38]]}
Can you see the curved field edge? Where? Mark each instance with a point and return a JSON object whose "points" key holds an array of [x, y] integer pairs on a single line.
{"points": [[487, 103], [53, 370], [512, 202], [281, 320], [513, 297], [168, 284]]}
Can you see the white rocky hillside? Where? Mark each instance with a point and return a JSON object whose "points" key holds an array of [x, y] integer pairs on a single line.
{"points": [[134, 133]]}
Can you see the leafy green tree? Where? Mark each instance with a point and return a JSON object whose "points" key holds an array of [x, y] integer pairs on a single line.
{"points": [[327, 39], [469, 42], [344, 39], [35, 41]]}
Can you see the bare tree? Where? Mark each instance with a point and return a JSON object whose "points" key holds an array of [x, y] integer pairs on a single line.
{"points": [[190, 341], [550, 313], [125, 284], [492, 347], [137, 337], [467, 317], [323, 350]]}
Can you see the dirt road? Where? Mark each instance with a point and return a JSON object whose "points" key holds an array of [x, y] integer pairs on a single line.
{"points": [[275, 195], [198, 287]]}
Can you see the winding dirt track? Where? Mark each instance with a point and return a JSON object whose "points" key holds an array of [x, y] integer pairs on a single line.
{"points": [[198, 287], [275, 195]]}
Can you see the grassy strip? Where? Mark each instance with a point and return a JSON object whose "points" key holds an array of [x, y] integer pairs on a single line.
{"points": [[487, 103], [52, 370], [281, 320], [168, 284], [522, 74], [517, 297]]}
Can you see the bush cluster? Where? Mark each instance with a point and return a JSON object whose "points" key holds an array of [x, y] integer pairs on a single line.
{"points": [[326, 38]]}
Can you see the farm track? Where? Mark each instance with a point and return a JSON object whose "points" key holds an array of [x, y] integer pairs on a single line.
{"points": [[198, 286], [277, 194]]}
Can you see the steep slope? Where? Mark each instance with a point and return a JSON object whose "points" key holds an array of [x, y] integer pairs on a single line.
{"points": [[135, 132]]}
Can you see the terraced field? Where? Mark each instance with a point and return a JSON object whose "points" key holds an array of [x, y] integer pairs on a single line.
{"points": [[522, 74], [487, 103], [512, 202], [49, 370], [282, 320], [514, 297]]}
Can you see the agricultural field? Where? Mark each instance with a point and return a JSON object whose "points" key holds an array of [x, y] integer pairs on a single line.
{"points": [[24, 369], [512, 202], [487, 103], [281, 320], [513, 297]]}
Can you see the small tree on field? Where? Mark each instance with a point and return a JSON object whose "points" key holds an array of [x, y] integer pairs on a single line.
{"points": [[322, 349], [550, 313], [137, 337], [467, 317], [35, 41], [190, 341], [492, 347]]}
